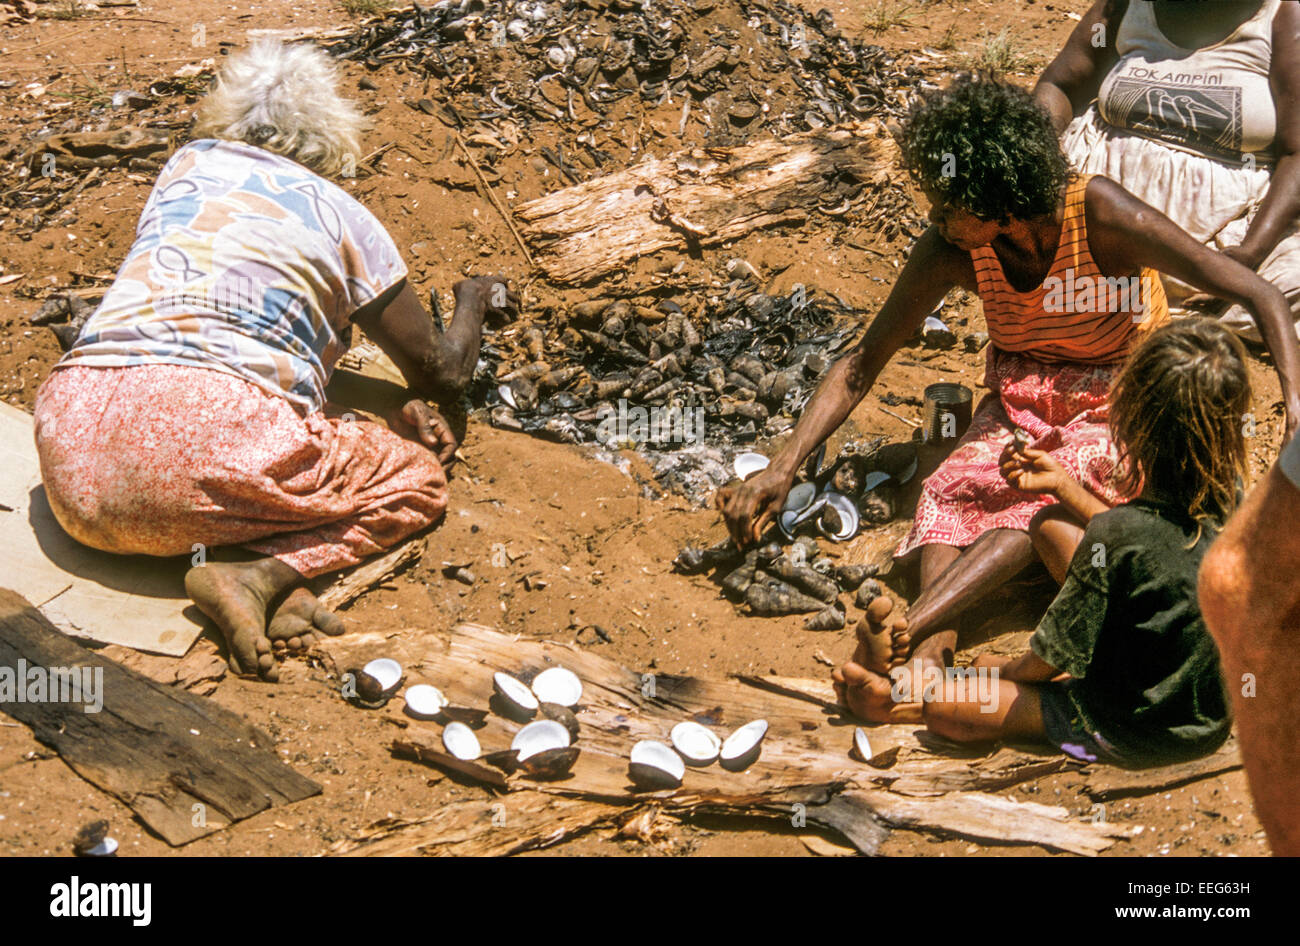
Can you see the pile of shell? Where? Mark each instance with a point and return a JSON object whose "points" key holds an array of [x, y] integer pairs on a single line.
{"points": [[565, 77], [648, 376], [789, 573]]}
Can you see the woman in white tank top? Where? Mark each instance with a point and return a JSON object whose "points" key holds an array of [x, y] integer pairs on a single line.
{"points": [[1193, 106]]}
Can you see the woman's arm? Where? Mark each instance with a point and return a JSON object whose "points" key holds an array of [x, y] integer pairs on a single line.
{"points": [[1073, 78], [1281, 203], [934, 268], [436, 365], [1124, 233]]}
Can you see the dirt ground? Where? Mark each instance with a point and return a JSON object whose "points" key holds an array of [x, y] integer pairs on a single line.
{"points": [[602, 539]]}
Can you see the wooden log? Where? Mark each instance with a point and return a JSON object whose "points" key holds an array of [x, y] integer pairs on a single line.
{"points": [[804, 759], [185, 765], [496, 827], [699, 197]]}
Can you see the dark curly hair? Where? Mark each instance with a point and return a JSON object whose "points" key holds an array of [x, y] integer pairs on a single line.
{"points": [[986, 147]]}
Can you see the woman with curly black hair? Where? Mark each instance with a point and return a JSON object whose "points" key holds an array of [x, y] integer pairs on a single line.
{"points": [[1066, 269]]}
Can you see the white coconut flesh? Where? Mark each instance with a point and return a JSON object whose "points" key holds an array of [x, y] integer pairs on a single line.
{"points": [[424, 700], [515, 691], [387, 672], [747, 464], [507, 395], [800, 497], [656, 755], [743, 741], [862, 743], [558, 685], [460, 741], [105, 848], [538, 737], [695, 743]]}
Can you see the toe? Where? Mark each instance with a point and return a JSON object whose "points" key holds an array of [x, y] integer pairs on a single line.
{"points": [[327, 622]]}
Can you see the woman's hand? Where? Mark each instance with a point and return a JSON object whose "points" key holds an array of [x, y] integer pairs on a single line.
{"points": [[750, 506], [492, 296], [1033, 471], [431, 429]]}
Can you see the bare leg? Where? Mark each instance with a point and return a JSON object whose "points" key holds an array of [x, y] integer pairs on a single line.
{"points": [[988, 563], [236, 595], [1251, 603], [1055, 535], [1003, 710]]}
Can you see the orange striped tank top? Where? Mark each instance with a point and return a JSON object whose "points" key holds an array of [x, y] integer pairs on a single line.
{"points": [[1077, 314]]}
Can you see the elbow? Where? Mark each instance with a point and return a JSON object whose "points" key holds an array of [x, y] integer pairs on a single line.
{"points": [[1223, 589]]}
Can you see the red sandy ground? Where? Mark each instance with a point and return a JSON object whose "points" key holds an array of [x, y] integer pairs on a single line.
{"points": [[604, 547]]}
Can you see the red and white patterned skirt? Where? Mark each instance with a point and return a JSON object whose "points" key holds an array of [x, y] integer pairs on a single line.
{"points": [[1063, 406]]}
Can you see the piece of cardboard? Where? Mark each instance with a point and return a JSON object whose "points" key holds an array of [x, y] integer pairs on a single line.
{"points": [[134, 600]]}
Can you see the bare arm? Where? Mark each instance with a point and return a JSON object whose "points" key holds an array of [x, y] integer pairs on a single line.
{"points": [[1073, 78], [934, 268], [1124, 233], [435, 365], [1281, 204]]}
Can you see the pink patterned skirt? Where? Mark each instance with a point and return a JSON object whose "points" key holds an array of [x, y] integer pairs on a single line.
{"points": [[154, 459], [1063, 406]]}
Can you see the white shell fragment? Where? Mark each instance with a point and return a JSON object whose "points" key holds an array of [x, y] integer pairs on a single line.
{"points": [[696, 744], [653, 765], [747, 464], [424, 701], [460, 741], [105, 848], [743, 746], [862, 745], [515, 693], [387, 672], [559, 686], [538, 737], [800, 497]]}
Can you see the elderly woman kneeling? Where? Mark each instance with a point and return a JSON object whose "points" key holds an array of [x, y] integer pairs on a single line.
{"points": [[190, 413]]}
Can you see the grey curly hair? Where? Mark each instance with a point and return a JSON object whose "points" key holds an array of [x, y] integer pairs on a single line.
{"points": [[285, 99]]}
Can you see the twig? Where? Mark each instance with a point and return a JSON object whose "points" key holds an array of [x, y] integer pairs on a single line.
{"points": [[487, 189], [905, 420]]}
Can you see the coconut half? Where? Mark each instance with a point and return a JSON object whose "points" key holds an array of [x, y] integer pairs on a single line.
{"points": [[424, 701], [742, 747], [516, 695], [559, 686], [696, 744], [386, 671], [653, 766], [105, 848], [862, 745], [460, 741], [846, 516], [872, 480], [539, 737], [800, 497], [747, 464]]}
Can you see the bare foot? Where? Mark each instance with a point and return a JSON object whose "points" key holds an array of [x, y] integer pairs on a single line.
{"points": [[883, 640], [235, 596], [300, 619], [870, 696]]}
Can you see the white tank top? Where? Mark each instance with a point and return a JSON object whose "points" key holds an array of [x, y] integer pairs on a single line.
{"points": [[1214, 101]]}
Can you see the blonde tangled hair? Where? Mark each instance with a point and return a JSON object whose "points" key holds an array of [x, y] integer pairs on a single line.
{"points": [[284, 99], [1176, 413]]}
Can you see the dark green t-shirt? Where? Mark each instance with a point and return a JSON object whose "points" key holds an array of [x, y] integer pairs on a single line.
{"points": [[1126, 625]]}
